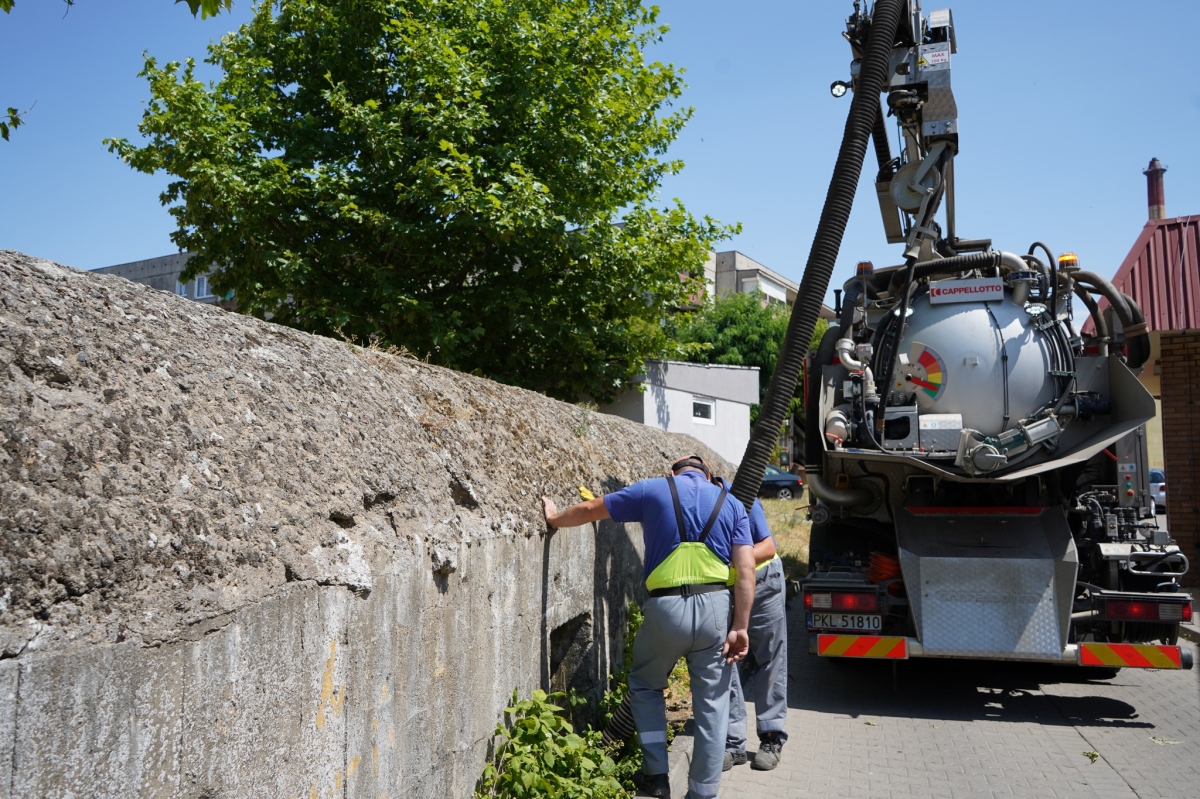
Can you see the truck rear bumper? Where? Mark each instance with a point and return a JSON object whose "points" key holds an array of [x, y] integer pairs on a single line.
{"points": [[882, 647]]}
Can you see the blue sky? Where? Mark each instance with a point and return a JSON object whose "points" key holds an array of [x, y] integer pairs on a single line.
{"points": [[1061, 106]]}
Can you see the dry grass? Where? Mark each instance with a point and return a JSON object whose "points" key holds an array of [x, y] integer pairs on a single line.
{"points": [[790, 527]]}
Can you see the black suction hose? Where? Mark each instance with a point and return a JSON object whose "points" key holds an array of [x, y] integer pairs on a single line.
{"points": [[814, 428], [853, 292], [883, 149], [1101, 286], [1044, 294], [1094, 310], [1053, 276], [886, 357], [1139, 342], [1134, 323], [620, 727], [954, 265], [864, 110]]}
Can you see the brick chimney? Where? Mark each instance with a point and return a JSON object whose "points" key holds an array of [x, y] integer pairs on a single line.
{"points": [[1155, 197]]}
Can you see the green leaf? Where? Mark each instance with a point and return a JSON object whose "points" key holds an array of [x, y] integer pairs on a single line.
{"points": [[205, 8]]}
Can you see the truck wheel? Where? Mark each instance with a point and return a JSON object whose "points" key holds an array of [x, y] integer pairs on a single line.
{"points": [[784, 493]]}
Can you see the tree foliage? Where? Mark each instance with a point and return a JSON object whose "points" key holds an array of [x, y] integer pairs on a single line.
{"points": [[10, 120], [442, 175], [744, 330], [207, 8]]}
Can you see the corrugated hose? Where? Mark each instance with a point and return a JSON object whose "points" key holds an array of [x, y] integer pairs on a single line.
{"points": [[864, 108]]}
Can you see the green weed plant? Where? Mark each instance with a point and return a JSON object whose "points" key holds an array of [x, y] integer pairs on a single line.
{"points": [[541, 755]]}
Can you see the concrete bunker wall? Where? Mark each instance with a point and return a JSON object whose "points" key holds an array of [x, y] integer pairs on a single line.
{"points": [[238, 560]]}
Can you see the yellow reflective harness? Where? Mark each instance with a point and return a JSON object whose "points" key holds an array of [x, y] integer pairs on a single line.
{"points": [[691, 562]]}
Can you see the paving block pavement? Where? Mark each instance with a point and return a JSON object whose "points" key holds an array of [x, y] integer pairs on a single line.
{"points": [[930, 728]]}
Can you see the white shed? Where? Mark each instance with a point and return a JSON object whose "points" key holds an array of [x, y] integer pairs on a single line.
{"points": [[709, 401]]}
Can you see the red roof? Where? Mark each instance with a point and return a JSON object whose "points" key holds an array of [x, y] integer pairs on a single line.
{"points": [[1162, 274]]}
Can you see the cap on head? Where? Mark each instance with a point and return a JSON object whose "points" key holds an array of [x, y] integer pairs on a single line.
{"points": [[696, 462]]}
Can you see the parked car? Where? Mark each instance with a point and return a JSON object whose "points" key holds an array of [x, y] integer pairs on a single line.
{"points": [[779, 484], [1158, 489]]}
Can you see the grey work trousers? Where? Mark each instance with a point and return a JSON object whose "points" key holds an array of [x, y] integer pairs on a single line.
{"points": [[694, 627], [765, 663]]}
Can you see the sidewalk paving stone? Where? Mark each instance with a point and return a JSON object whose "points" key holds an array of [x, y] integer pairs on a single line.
{"points": [[960, 729]]}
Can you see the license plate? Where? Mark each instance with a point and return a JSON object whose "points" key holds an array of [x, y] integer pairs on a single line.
{"points": [[844, 621]]}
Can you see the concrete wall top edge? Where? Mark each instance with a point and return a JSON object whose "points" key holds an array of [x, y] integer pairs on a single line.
{"points": [[166, 461]]}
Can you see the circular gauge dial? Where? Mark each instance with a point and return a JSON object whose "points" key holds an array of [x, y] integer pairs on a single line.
{"points": [[923, 375]]}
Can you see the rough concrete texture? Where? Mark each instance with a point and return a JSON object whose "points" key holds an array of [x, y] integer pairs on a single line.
{"points": [[238, 560]]}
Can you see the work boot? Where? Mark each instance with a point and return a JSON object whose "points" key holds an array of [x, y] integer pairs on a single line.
{"points": [[652, 784], [769, 749], [733, 759]]}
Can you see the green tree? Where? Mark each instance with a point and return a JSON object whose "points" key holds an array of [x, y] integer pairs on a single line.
{"points": [[744, 330], [442, 175]]}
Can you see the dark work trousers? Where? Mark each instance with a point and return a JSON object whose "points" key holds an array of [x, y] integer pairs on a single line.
{"points": [[765, 663]]}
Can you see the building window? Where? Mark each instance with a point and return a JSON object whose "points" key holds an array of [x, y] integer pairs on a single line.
{"points": [[202, 290], [703, 411], [181, 288]]}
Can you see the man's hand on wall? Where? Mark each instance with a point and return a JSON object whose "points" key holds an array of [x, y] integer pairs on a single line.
{"points": [[591, 511], [549, 510]]}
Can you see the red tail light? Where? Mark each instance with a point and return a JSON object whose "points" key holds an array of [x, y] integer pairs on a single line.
{"points": [[1132, 610], [808, 601], [855, 602], [1147, 610]]}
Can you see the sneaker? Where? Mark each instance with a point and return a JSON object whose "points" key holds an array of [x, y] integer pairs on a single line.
{"points": [[733, 759], [769, 749], [652, 784]]}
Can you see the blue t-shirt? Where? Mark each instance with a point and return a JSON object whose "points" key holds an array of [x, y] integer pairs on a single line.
{"points": [[759, 531], [758, 523], [649, 502]]}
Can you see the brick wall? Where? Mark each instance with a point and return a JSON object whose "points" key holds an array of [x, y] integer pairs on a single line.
{"points": [[1181, 440]]}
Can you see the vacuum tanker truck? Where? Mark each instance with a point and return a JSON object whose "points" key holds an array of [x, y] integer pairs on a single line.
{"points": [[976, 461]]}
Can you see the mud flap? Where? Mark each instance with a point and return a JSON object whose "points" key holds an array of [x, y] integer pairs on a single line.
{"points": [[989, 582]]}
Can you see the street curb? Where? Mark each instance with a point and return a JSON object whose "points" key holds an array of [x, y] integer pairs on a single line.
{"points": [[1190, 632], [679, 761]]}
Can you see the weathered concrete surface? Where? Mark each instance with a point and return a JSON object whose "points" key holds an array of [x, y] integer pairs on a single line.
{"points": [[238, 560], [8, 722]]}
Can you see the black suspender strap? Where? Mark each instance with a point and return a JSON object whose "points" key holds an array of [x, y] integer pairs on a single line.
{"points": [[712, 517], [678, 508]]}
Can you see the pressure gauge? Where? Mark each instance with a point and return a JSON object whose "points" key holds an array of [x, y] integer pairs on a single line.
{"points": [[923, 372]]}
